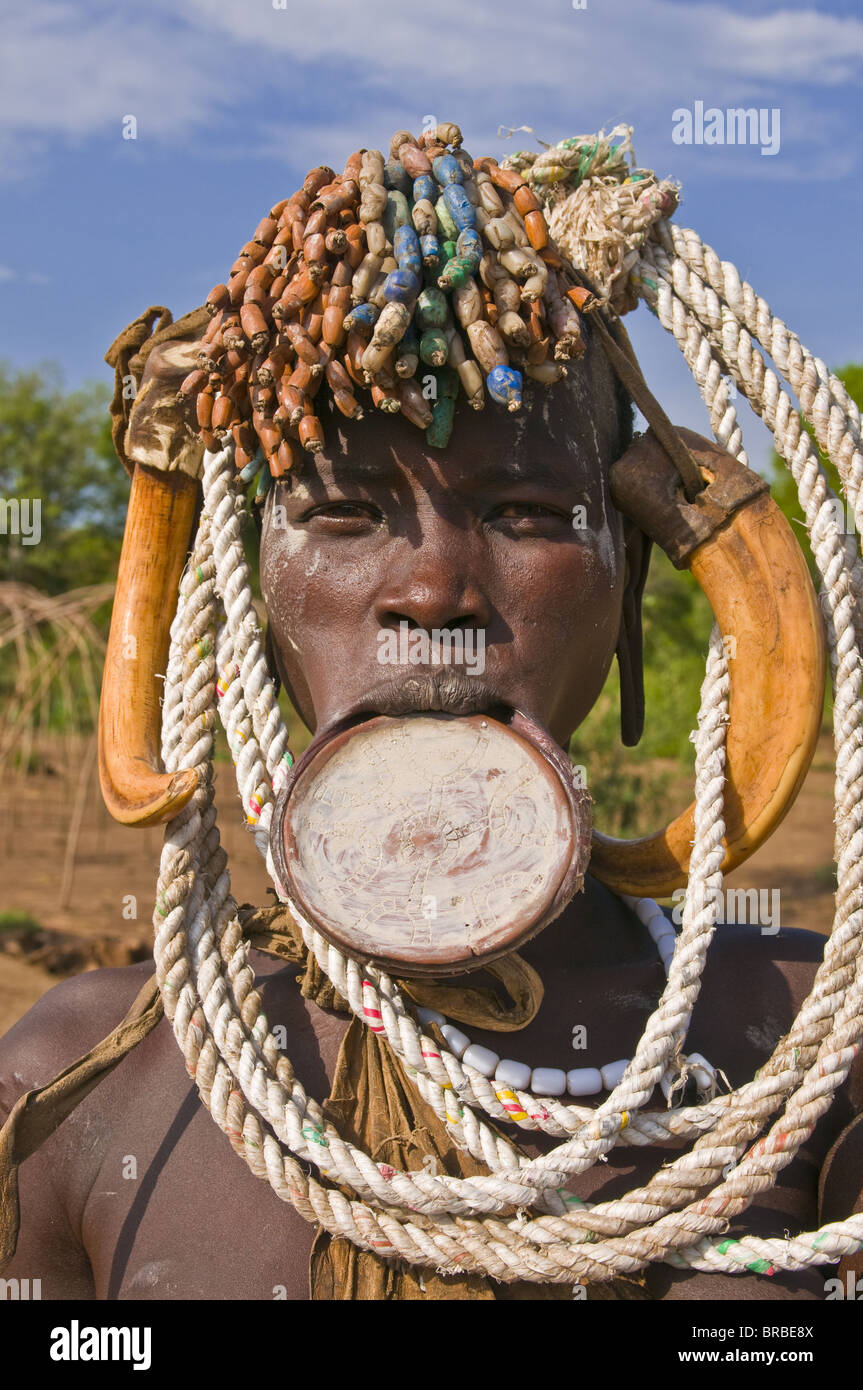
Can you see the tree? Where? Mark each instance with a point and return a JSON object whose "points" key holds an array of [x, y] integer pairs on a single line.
{"points": [[55, 450]]}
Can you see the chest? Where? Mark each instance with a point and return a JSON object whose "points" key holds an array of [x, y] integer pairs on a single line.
{"points": [[174, 1213]]}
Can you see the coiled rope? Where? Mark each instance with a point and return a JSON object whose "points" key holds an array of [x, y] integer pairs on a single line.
{"points": [[519, 1222]]}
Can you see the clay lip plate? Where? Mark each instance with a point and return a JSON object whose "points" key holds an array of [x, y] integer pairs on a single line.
{"points": [[429, 843]]}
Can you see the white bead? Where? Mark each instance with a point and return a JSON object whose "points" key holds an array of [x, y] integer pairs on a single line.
{"points": [[583, 1081], [658, 926], [645, 908], [631, 902], [457, 1041], [702, 1071], [482, 1058], [612, 1072], [426, 1016], [548, 1081], [514, 1074], [666, 946]]}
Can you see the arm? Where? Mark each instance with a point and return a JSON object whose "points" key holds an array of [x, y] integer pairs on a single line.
{"points": [[54, 1182]]}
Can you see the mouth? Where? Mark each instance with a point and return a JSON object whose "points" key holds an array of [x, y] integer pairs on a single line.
{"points": [[439, 692]]}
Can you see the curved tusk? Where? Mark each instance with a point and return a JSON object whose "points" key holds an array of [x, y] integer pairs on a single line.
{"points": [[738, 545], [155, 543]]}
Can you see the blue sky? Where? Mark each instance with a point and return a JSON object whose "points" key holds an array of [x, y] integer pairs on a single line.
{"points": [[234, 100]]}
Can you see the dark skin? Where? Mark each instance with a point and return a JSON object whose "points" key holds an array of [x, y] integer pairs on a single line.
{"points": [[138, 1195]]}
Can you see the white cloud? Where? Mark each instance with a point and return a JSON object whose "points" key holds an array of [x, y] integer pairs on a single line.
{"points": [[327, 72]]}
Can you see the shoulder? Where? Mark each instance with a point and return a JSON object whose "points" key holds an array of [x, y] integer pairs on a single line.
{"points": [[756, 981], [64, 1025]]}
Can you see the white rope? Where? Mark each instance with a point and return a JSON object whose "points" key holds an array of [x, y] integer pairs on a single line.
{"points": [[249, 1086]]}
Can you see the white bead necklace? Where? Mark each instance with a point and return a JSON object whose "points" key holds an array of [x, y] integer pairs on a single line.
{"points": [[514, 1076]]}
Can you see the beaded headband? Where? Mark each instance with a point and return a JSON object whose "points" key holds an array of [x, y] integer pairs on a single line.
{"points": [[417, 278]]}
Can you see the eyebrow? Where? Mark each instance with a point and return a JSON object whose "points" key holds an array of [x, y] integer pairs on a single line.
{"points": [[383, 469]]}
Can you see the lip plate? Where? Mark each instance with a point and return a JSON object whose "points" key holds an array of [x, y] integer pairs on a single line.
{"points": [[360, 877]]}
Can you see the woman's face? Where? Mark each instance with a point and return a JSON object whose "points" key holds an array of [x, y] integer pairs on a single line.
{"points": [[508, 534]]}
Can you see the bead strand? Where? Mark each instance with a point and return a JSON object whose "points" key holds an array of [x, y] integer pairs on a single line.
{"points": [[511, 1076]]}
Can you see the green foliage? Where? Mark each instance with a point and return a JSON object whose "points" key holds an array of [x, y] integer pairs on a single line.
{"points": [[632, 788], [56, 446], [18, 921]]}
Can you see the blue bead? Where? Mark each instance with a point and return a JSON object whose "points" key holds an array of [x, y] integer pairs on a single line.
{"points": [[361, 316], [504, 385], [469, 246], [425, 187], [461, 209], [447, 169], [402, 286], [406, 249], [248, 473], [430, 247]]}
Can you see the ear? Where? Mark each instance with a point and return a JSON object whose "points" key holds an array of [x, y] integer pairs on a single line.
{"points": [[271, 657], [629, 641]]}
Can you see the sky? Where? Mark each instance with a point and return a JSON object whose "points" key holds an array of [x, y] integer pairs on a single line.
{"points": [[234, 100]]}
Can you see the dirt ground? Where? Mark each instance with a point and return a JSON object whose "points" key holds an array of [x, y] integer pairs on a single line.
{"points": [[108, 886]]}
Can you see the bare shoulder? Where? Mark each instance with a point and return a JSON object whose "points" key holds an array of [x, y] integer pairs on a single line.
{"points": [[64, 1025]]}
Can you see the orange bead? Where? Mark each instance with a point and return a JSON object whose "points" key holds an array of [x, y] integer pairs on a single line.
{"points": [[218, 298], [285, 458], [204, 409], [354, 165], [223, 413], [583, 298], [311, 433], [265, 231], [316, 179], [254, 324], [537, 230], [333, 330], [525, 200], [347, 403]]}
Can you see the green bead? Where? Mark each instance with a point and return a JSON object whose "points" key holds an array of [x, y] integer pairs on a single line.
{"points": [[264, 482], [431, 310], [445, 222], [397, 213], [456, 273], [440, 429], [434, 348], [447, 383]]}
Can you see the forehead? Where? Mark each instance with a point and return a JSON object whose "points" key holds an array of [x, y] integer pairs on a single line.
{"points": [[563, 435]]}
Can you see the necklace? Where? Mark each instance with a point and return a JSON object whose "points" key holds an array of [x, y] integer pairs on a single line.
{"points": [[512, 1076]]}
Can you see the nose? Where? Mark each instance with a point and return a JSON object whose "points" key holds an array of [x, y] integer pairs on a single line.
{"points": [[437, 585]]}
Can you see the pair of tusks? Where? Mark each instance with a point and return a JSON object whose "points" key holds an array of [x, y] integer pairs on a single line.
{"points": [[732, 537]]}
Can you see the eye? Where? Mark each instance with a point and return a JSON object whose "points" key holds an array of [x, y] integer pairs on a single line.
{"points": [[532, 517], [342, 516]]}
